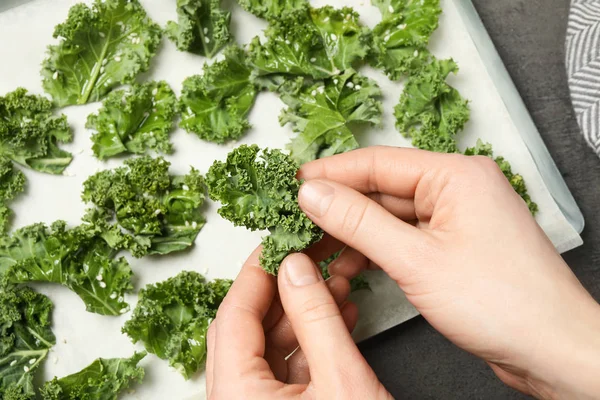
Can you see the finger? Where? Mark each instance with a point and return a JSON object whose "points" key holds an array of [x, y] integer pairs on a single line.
{"points": [[298, 371], [390, 170], [324, 248], [282, 335], [210, 356], [398, 207], [241, 344], [349, 264], [319, 326], [365, 226]]}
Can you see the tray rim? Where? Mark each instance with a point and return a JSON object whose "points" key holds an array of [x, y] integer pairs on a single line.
{"points": [[520, 115]]}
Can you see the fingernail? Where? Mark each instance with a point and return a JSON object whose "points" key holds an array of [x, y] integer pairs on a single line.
{"points": [[300, 270], [316, 197]]}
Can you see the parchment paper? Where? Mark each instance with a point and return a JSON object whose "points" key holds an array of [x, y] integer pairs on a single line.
{"points": [[220, 248]]}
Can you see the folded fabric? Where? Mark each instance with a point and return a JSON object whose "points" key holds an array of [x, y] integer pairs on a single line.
{"points": [[583, 67]]}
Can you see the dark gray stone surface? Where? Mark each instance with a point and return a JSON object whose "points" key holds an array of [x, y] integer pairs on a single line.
{"points": [[413, 360]]}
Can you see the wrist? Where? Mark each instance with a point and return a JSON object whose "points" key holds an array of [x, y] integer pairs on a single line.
{"points": [[568, 364]]}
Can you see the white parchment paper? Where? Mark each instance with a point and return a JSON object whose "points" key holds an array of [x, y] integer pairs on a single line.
{"points": [[220, 248]]}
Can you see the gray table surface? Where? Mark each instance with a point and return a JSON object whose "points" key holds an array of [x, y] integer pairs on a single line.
{"points": [[413, 360]]}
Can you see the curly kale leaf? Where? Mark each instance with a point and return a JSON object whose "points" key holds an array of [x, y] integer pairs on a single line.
{"points": [[202, 27], [25, 339], [215, 105], [516, 180], [12, 183], [357, 283], [259, 190], [321, 113], [159, 212], [431, 111], [315, 42], [101, 48], [30, 133], [103, 379], [134, 121], [77, 258], [400, 40], [271, 9], [172, 317]]}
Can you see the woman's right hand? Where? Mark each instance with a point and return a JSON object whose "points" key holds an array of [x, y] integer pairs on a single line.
{"points": [[454, 235]]}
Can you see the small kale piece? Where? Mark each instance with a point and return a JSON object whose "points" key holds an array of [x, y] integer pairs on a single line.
{"points": [[172, 318], [400, 40], [103, 379], [159, 212], [77, 258], [516, 180], [357, 283], [215, 105], [314, 42], [431, 111], [25, 339], [202, 27], [271, 9], [12, 183], [134, 121], [101, 48], [259, 190], [321, 113], [30, 133]]}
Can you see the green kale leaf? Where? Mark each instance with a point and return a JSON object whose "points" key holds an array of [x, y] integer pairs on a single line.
{"points": [[203, 27], [430, 110], [134, 121], [101, 48], [77, 258], [215, 105], [321, 113], [516, 180], [30, 133], [159, 212], [172, 318], [271, 9], [103, 379], [259, 190], [314, 42], [400, 40], [12, 183], [25, 339]]}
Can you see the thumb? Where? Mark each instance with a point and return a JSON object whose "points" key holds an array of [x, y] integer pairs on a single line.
{"points": [[330, 352]]}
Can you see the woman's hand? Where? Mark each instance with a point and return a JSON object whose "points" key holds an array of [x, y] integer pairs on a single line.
{"points": [[258, 327], [454, 235]]}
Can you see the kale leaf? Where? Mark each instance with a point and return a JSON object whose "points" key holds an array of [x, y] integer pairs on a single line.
{"points": [[430, 110], [134, 120], [103, 379], [172, 318], [12, 183], [101, 48], [315, 42], [30, 133], [259, 190], [215, 105], [25, 339], [77, 258], [159, 212], [321, 113], [271, 9], [202, 27], [400, 40], [516, 180]]}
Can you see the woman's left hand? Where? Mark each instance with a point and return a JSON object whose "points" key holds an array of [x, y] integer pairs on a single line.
{"points": [[258, 327]]}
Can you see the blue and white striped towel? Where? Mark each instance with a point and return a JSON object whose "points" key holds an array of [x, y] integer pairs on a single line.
{"points": [[583, 67]]}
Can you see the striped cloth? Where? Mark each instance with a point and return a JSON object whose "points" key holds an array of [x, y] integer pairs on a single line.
{"points": [[583, 67]]}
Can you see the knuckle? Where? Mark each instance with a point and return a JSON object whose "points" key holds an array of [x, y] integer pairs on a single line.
{"points": [[318, 309], [353, 219]]}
